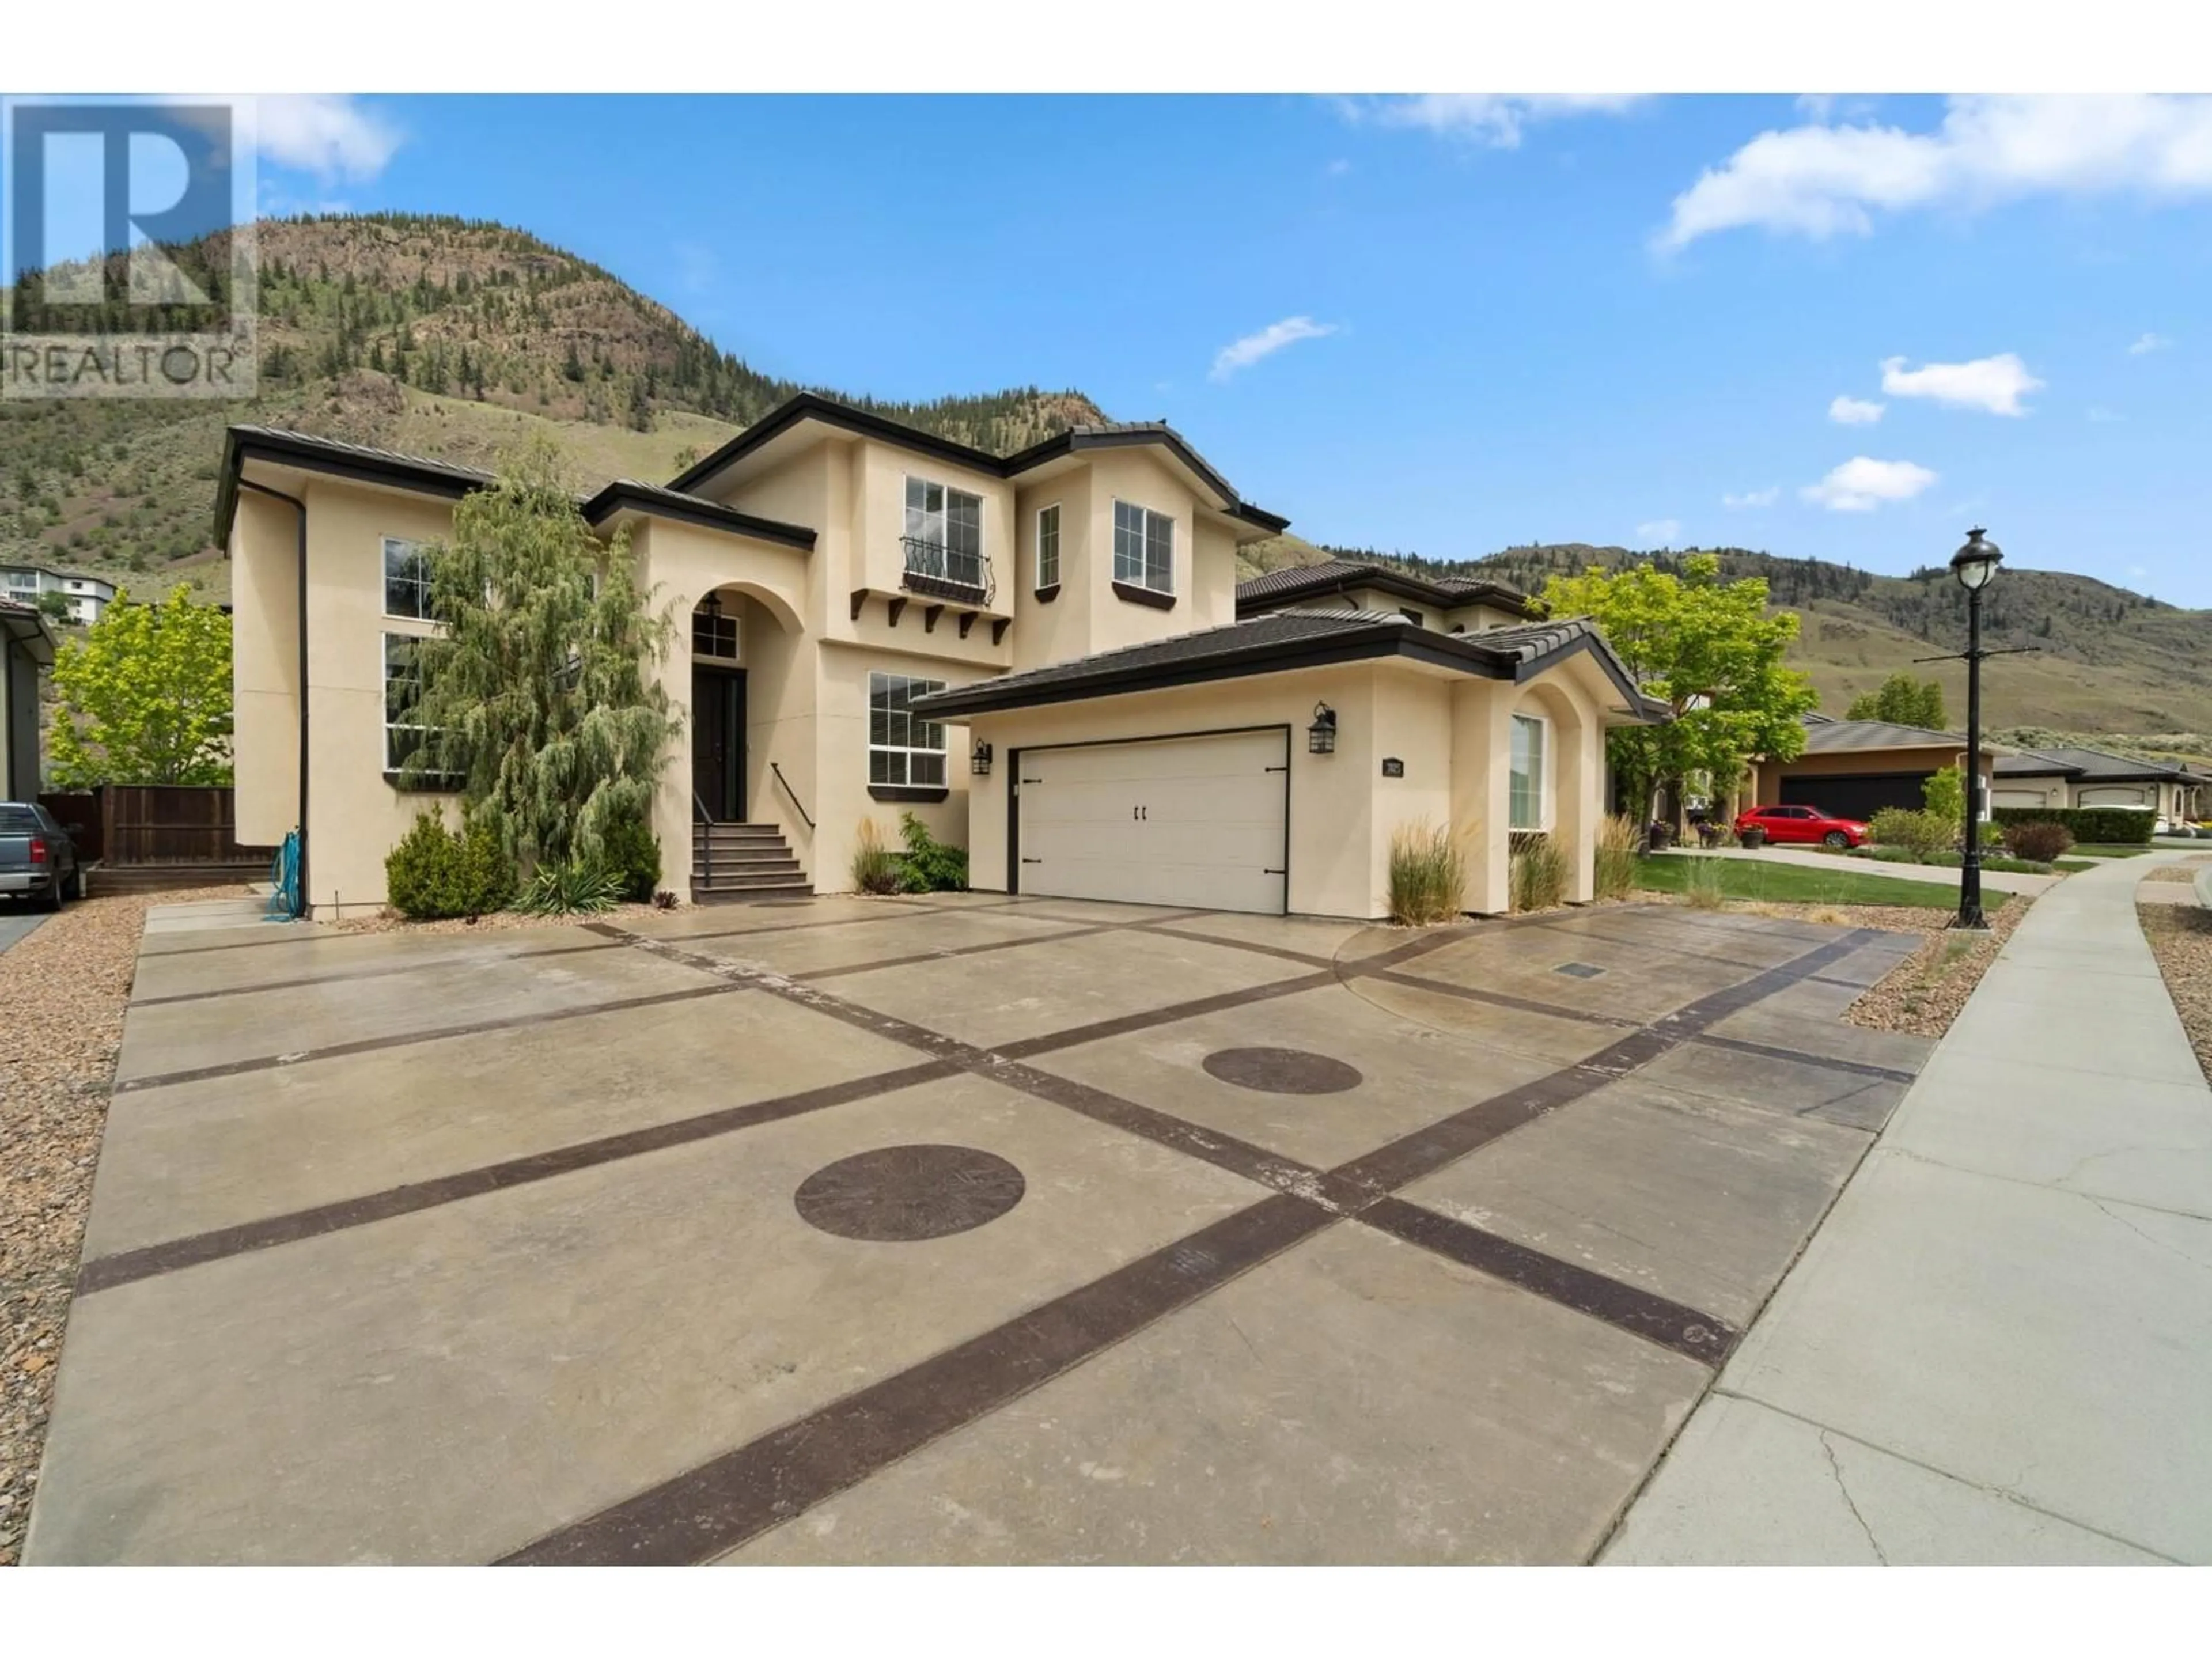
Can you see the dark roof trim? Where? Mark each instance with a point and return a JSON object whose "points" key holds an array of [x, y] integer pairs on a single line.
{"points": [[27, 625], [1387, 637], [812, 406], [1343, 578], [241, 444], [627, 494]]}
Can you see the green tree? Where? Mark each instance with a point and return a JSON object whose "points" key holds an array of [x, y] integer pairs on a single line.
{"points": [[145, 697], [1902, 701], [1706, 648], [55, 607], [536, 695]]}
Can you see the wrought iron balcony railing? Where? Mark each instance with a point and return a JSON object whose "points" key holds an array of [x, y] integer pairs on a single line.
{"points": [[947, 573]]}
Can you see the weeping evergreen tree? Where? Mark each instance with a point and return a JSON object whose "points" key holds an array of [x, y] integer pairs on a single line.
{"points": [[536, 697]]}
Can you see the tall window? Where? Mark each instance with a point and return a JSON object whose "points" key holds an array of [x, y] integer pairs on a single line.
{"points": [[1144, 547], [1525, 803], [406, 579], [403, 733], [1048, 544], [944, 533], [903, 747]]}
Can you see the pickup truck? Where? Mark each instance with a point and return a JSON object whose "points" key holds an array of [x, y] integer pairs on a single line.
{"points": [[37, 861]]}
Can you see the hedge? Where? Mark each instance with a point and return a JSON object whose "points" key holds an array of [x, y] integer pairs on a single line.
{"points": [[2121, 826]]}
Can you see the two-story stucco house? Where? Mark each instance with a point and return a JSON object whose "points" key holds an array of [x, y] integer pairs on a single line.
{"points": [[87, 598], [1045, 656]]}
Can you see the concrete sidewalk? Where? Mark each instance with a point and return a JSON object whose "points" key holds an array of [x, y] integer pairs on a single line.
{"points": [[1999, 1347], [1995, 881]]}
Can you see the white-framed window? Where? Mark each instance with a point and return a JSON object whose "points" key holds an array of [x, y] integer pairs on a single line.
{"points": [[1527, 801], [944, 533], [406, 578], [1144, 547], [1048, 546], [904, 748], [404, 732]]}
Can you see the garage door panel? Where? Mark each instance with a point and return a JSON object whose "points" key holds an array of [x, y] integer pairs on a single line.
{"points": [[1182, 821]]}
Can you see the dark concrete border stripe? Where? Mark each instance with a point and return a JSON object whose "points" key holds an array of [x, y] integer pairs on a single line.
{"points": [[1145, 1019], [1689, 1331], [307, 933], [410, 1039], [893, 910], [1799, 1057], [953, 952], [737, 1496], [123, 1268], [348, 975], [1495, 999]]}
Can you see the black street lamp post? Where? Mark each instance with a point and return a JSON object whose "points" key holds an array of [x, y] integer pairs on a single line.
{"points": [[1974, 564]]}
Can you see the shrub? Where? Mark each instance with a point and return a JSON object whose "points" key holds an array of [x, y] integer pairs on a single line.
{"points": [[1616, 857], [1537, 870], [2117, 826], [1944, 793], [436, 873], [931, 866], [2042, 841], [1428, 874], [1923, 833], [875, 866], [578, 888], [630, 853], [1701, 887]]}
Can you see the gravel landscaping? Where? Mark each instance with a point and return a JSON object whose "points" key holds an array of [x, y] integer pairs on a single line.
{"points": [[391, 922], [2181, 938], [64, 990]]}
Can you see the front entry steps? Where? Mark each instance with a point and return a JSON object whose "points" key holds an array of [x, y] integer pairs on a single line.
{"points": [[741, 861]]}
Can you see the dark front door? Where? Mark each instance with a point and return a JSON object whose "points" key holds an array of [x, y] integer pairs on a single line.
{"points": [[718, 742]]}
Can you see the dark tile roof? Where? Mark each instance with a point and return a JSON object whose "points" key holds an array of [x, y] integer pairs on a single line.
{"points": [[27, 625], [335, 456], [659, 500], [809, 405], [1825, 734], [2068, 760], [1283, 640], [1298, 581]]}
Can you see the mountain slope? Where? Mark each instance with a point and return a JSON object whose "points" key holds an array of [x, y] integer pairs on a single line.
{"points": [[440, 337]]}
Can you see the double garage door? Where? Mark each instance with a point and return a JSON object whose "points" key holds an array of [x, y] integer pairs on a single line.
{"points": [[1196, 821], [1857, 795]]}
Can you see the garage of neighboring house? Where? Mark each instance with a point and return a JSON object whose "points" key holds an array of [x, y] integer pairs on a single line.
{"points": [[1200, 820], [1854, 768]]}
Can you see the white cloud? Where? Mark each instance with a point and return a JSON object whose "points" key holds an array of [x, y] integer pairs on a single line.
{"points": [[330, 136], [1659, 532], [1855, 412], [1242, 354], [1859, 485], [2102, 417], [1765, 497], [2147, 344], [1485, 118], [1820, 180], [1995, 384]]}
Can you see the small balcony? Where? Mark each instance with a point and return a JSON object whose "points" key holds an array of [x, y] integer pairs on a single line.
{"points": [[946, 573]]}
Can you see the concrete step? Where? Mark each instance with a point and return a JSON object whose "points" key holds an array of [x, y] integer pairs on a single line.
{"points": [[722, 894]]}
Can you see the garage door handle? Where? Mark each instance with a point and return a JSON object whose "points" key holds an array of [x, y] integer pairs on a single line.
{"points": [[1032, 860], [1274, 873]]}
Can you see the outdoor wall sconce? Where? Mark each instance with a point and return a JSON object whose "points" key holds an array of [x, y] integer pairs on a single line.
{"points": [[1321, 736], [979, 764]]}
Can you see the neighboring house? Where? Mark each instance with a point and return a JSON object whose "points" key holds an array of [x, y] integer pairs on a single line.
{"points": [[26, 646], [1041, 655], [1853, 769], [2069, 776], [88, 596]]}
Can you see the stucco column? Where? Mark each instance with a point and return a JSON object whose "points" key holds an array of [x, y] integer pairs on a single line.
{"points": [[1482, 764], [1576, 805]]}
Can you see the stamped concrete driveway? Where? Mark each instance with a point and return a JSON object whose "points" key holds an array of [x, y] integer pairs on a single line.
{"points": [[963, 1229]]}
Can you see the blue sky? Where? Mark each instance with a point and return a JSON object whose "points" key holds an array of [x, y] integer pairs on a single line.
{"points": [[1492, 321]]}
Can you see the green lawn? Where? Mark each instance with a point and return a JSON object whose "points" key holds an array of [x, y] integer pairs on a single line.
{"points": [[1990, 860], [1795, 883]]}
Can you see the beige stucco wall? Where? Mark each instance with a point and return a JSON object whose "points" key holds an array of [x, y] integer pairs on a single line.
{"points": [[1055, 629], [264, 668], [1202, 598], [840, 771], [1449, 730]]}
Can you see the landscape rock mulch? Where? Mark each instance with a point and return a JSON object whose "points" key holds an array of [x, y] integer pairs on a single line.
{"points": [[2181, 938], [391, 922], [63, 989]]}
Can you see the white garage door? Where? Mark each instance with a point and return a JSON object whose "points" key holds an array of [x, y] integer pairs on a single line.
{"points": [[1187, 821]]}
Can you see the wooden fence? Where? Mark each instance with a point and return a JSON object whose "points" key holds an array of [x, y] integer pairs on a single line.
{"points": [[130, 824]]}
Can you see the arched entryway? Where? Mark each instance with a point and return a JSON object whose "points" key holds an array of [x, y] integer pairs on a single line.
{"points": [[737, 637]]}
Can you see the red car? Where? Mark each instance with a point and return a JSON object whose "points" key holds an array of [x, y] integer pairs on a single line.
{"points": [[1808, 824]]}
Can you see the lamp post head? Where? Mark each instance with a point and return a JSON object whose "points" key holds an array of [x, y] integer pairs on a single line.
{"points": [[1977, 561]]}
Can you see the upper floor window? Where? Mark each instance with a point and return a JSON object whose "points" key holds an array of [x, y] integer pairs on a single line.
{"points": [[1144, 547], [1048, 546], [406, 578], [944, 533], [1525, 788]]}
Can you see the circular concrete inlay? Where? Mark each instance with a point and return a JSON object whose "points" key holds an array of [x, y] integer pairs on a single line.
{"points": [[1282, 1070], [904, 1194]]}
